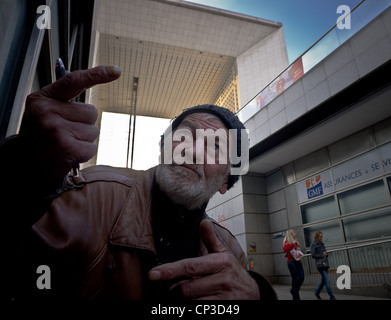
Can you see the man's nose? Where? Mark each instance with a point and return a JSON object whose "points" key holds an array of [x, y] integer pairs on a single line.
{"points": [[199, 150]]}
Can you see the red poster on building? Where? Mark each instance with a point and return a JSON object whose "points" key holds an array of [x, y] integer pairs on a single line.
{"points": [[293, 73], [297, 69]]}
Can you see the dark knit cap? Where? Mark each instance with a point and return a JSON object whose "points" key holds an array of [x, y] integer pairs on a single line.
{"points": [[228, 118]]}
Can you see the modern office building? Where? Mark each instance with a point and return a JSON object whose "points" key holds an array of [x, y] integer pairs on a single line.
{"points": [[320, 128], [320, 160]]}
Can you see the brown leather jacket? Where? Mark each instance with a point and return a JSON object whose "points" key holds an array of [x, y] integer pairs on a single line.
{"points": [[98, 238]]}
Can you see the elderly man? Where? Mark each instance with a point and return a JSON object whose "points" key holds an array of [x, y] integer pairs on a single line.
{"points": [[114, 233]]}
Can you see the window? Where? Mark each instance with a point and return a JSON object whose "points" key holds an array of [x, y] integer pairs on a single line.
{"points": [[368, 226], [370, 196], [13, 30], [375, 258], [358, 214], [319, 210], [331, 233]]}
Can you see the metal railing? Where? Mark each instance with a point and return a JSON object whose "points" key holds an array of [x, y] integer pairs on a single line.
{"points": [[370, 266], [362, 14]]}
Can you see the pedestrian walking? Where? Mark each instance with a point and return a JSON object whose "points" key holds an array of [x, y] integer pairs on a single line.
{"points": [[293, 254], [319, 253]]}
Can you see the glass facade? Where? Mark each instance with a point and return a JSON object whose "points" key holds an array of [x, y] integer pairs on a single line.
{"points": [[357, 214], [367, 197], [319, 210], [14, 28]]}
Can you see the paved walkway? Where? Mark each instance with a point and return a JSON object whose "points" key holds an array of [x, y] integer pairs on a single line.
{"points": [[283, 293]]}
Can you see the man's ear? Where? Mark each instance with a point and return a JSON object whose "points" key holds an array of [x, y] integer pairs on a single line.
{"points": [[224, 187]]}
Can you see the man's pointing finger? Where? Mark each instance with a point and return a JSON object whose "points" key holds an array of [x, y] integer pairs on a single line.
{"points": [[209, 237], [74, 83]]}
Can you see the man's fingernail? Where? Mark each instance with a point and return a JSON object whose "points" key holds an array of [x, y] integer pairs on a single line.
{"points": [[114, 71], [155, 275]]}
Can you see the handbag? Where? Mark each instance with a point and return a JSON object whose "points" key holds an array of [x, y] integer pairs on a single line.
{"points": [[322, 263], [296, 254]]}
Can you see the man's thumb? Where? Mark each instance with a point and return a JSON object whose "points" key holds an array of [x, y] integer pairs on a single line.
{"points": [[209, 237]]}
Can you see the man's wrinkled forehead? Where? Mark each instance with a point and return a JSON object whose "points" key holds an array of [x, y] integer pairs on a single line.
{"points": [[202, 120]]}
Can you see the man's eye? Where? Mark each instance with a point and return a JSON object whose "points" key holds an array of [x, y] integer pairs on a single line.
{"points": [[186, 133]]}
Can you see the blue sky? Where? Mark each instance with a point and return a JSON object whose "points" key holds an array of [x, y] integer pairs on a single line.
{"points": [[304, 21]]}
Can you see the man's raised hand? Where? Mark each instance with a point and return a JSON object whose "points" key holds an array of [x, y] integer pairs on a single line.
{"points": [[58, 132]]}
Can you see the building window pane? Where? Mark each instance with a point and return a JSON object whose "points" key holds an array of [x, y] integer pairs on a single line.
{"points": [[331, 233], [13, 30], [368, 226], [373, 258], [319, 210], [366, 197]]}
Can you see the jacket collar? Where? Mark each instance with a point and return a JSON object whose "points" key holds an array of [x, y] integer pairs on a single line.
{"points": [[134, 225]]}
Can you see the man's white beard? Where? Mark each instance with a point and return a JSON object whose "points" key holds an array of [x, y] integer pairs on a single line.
{"points": [[187, 188]]}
